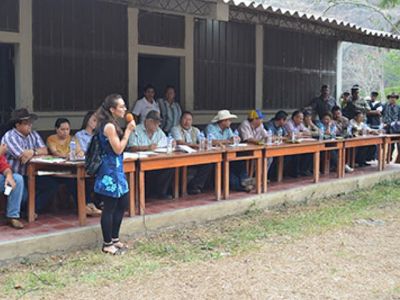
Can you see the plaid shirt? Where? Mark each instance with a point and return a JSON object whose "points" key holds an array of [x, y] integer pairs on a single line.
{"points": [[17, 144]]}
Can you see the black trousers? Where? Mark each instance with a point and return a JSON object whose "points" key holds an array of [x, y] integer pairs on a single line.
{"points": [[158, 182], [111, 216], [198, 176]]}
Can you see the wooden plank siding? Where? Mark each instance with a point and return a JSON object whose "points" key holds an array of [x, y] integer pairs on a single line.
{"points": [[295, 66], [224, 65], [80, 53], [9, 15], [162, 30]]}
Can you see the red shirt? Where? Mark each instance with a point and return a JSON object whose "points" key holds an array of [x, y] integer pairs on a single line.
{"points": [[3, 164]]}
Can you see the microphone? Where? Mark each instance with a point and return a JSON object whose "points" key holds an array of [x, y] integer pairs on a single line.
{"points": [[129, 117]]}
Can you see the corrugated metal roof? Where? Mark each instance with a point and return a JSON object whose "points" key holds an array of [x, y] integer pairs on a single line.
{"points": [[331, 22]]}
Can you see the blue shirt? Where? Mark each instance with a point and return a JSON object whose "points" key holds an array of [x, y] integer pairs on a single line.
{"points": [[218, 133], [271, 126], [139, 137], [84, 139]]}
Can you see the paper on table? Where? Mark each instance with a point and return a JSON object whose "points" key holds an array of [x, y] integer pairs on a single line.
{"points": [[186, 149], [238, 145], [161, 150], [132, 155], [48, 159], [47, 173]]}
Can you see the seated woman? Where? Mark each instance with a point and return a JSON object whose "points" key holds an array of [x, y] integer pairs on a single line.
{"points": [[298, 165], [84, 136], [360, 128], [59, 145]]}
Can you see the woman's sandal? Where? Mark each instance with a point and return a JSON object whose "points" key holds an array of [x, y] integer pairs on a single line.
{"points": [[112, 250], [118, 244]]}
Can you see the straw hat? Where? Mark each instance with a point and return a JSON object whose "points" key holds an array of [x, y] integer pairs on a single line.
{"points": [[223, 115]]}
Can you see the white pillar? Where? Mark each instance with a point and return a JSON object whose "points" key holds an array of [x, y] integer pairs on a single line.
{"points": [[23, 58], [189, 64], [339, 69], [259, 66], [133, 54]]}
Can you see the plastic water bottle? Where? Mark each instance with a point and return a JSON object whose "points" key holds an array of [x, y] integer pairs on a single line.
{"points": [[321, 132], [381, 131], [269, 137], [333, 131], [349, 131], [293, 137], [279, 133], [364, 130], [202, 141], [170, 144], [209, 141], [72, 150], [236, 138]]}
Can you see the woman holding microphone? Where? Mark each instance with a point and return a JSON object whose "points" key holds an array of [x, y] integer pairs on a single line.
{"points": [[111, 185]]}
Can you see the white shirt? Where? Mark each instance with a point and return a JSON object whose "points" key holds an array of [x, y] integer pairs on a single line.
{"points": [[142, 108]]}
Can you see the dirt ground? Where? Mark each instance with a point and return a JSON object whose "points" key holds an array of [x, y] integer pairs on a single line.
{"points": [[357, 262]]}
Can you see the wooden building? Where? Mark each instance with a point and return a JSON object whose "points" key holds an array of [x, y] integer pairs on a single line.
{"points": [[62, 57]]}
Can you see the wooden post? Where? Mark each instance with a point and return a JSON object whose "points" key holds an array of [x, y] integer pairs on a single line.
{"points": [[142, 192], [80, 178], [31, 192], [217, 181], [176, 184], [316, 166], [258, 175]]}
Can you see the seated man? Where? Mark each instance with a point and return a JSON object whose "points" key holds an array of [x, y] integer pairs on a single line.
{"points": [[309, 124], [221, 133], [186, 134], [16, 182], [252, 130], [341, 122], [22, 145], [278, 123], [147, 137]]}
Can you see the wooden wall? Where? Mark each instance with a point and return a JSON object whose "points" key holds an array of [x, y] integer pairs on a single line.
{"points": [[80, 53]]}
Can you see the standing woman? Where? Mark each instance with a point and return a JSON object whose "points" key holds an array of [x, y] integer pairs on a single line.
{"points": [[111, 185]]}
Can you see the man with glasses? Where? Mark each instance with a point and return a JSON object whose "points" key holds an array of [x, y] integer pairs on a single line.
{"points": [[22, 145]]}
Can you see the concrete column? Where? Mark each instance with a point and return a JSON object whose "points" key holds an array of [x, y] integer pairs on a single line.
{"points": [[259, 66], [188, 75], [133, 54], [23, 58], [339, 69]]}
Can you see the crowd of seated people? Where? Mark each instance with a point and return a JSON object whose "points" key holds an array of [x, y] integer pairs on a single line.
{"points": [[163, 119]]}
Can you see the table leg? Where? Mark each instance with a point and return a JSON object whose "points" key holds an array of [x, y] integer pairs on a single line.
{"points": [[344, 151], [176, 184], [217, 182], [80, 178], [353, 157], [265, 174], [132, 208], [385, 151], [226, 179], [142, 192], [31, 192], [258, 175], [184, 180], [381, 158], [389, 153], [327, 164], [316, 166], [340, 164], [280, 168]]}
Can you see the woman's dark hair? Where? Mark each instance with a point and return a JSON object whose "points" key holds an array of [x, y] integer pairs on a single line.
{"points": [[148, 87], [104, 115], [86, 118], [327, 114], [295, 113], [281, 115], [358, 112], [335, 109], [169, 87], [307, 113], [60, 121]]}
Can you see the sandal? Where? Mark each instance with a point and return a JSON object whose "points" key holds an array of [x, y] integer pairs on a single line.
{"points": [[118, 244], [111, 249]]}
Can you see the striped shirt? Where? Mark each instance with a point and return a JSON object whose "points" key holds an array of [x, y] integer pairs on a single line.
{"points": [[17, 144]]}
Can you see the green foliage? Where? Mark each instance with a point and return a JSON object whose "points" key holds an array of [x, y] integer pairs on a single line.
{"points": [[389, 3]]}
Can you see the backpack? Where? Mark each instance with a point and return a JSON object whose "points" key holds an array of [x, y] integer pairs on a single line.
{"points": [[94, 156]]}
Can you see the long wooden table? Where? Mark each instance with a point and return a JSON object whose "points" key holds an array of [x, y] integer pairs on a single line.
{"points": [[243, 153], [285, 149], [77, 171], [332, 145], [178, 160], [363, 141]]}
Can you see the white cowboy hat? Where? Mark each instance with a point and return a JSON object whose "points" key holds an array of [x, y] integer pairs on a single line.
{"points": [[223, 115]]}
